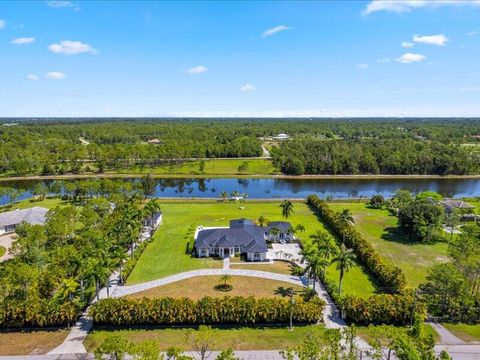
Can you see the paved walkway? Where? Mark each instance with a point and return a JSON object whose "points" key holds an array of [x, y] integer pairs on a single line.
{"points": [[446, 337], [226, 263]]}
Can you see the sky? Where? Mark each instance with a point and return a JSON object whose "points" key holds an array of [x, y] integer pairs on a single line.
{"points": [[265, 59]]}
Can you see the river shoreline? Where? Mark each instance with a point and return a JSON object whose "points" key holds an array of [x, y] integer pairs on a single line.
{"points": [[232, 176]]}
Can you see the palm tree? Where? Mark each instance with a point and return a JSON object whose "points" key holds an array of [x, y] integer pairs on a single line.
{"points": [[299, 228], [224, 195], [345, 260], [262, 221], [225, 279], [235, 194], [287, 208], [274, 231], [345, 219]]}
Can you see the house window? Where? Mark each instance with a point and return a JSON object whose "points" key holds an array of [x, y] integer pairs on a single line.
{"points": [[282, 235]]}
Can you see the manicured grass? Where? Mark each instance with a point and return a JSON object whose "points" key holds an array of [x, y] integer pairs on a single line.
{"points": [[251, 338], [48, 203], [212, 167], [30, 342], [166, 254], [365, 332], [2, 251], [280, 267], [468, 333], [198, 287], [379, 227]]}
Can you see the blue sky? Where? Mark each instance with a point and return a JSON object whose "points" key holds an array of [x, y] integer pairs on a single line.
{"points": [[351, 58]]}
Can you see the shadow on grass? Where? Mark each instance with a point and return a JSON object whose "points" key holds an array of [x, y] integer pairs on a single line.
{"points": [[394, 234]]}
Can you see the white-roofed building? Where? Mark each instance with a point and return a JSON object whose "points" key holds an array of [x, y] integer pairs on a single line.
{"points": [[9, 220]]}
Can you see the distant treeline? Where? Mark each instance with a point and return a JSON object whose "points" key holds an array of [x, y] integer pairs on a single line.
{"points": [[53, 146]]}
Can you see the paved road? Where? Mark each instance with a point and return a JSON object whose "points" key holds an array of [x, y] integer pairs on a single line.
{"points": [[446, 337]]}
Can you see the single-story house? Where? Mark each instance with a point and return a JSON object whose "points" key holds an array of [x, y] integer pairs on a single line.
{"points": [[243, 236], [281, 136], [9, 220], [153, 221], [452, 204]]}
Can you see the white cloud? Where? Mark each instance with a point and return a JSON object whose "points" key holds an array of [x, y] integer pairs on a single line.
{"points": [[274, 30], [31, 77], [22, 41], [409, 58], [470, 88], [384, 60], [403, 6], [407, 44], [68, 47], [58, 4], [362, 66], [55, 75], [3, 24], [247, 88], [197, 70], [439, 40], [472, 33]]}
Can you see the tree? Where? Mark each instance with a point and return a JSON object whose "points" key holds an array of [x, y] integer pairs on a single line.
{"points": [[201, 166], [451, 221], [227, 355], [113, 348], [345, 260], [345, 219], [377, 201], [224, 195], [202, 341], [262, 221], [287, 208], [420, 220], [40, 191], [243, 168], [299, 228], [225, 279]]}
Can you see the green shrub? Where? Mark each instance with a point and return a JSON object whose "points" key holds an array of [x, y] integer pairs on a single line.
{"points": [[184, 311], [388, 275], [380, 309]]}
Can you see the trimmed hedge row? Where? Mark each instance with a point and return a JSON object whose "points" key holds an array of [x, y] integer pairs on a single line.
{"points": [[388, 275], [184, 311], [382, 309], [37, 313]]}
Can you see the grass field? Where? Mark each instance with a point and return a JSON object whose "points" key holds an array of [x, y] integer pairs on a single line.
{"points": [[166, 254], [48, 203], [365, 332], [198, 287], [280, 267], [2, 251], [380, 229], [252, 338], [30, 342], [468, 333], [212, 167]]}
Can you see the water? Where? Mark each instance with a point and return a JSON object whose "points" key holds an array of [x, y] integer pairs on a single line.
{"points": [[290, 188]]}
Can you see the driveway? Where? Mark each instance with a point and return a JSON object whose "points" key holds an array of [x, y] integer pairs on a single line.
{"points": [[6, 242]]}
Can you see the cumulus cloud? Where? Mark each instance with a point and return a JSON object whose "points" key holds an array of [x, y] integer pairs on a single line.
{"points": [[197, 70], [3, 24], [407, 44], [403, 6], [55, 75], [31, 77], [22, 41], [362, 66], [274, 30], [439, 39], [68, 47], [247, 88], [409, 58]]}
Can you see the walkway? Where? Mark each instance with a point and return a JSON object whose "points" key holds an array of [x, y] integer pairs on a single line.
{"points": [[446, 337]]}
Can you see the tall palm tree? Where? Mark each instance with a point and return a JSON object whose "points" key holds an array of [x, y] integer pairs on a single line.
{"points": [[287, 208], [345, 260], [262, 221], [274, 231], [224, 195], [299, 228], [225, 279], [345, 219]]}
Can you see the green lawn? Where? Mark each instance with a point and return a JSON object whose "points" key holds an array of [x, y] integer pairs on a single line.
{"points": [[365, 332], [248, 338], [166, 254], [468, 333], [212, 167], [380, 229], [2, 251], [48, 203]]}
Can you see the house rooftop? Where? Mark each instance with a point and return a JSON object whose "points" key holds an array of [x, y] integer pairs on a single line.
{"points": [[34, 216]]}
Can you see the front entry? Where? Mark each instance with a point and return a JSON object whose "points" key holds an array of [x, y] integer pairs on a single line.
{"points": [[226, 252]]}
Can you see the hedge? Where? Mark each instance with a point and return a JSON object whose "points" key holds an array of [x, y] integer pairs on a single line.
{"points": [[207, 310], [388, 275], [380, 309]]}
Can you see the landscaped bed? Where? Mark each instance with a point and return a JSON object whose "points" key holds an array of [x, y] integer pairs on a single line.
{"points": [[30, 342], [468, 333], [379, 227], [166, 255], [247, 338], [198, 287]]}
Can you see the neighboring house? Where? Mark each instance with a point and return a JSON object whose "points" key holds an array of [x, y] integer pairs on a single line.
{"points": [[9, 220], [452, 204], [281, 136], [242, 237], [153, 221]]}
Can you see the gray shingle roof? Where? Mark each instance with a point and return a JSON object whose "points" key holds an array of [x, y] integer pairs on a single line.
{"points": [[281, 225], [33, 216]]}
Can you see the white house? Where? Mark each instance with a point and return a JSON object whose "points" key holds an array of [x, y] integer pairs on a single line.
{"points": [[9, 220], [281, 136]]}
